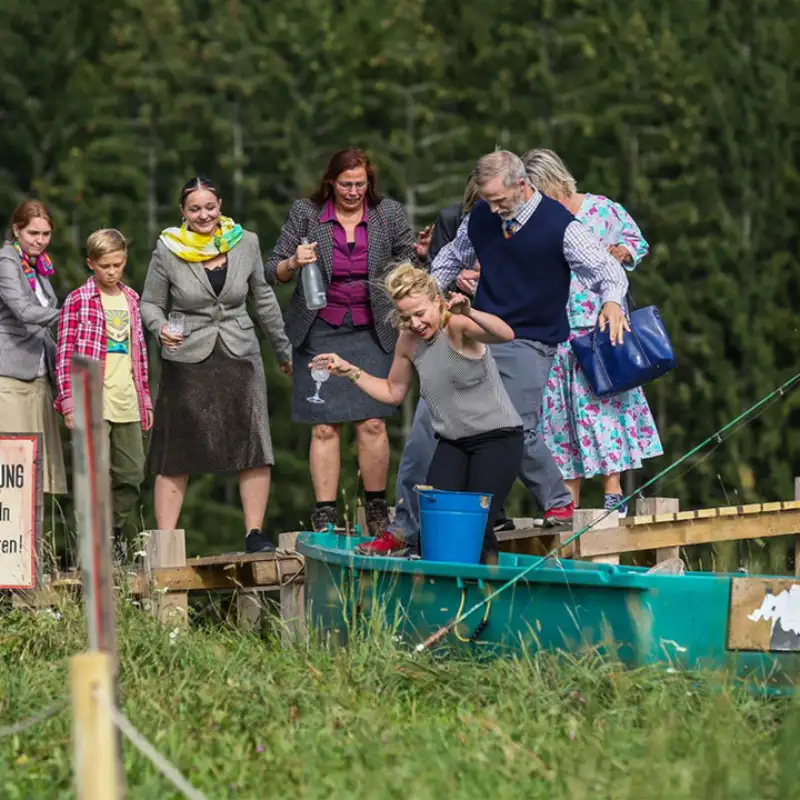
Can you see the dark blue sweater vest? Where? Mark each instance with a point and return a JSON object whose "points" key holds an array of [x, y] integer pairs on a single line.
{"points": [[525, 279]]}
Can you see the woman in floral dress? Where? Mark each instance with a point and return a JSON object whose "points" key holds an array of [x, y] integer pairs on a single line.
{"points": [[590, 435]]}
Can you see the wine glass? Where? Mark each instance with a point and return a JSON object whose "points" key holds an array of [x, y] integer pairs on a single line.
{"points": [[319, 376], [175, 322]]}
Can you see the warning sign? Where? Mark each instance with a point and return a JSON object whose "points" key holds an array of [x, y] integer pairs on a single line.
{"points": [[18, 492]]}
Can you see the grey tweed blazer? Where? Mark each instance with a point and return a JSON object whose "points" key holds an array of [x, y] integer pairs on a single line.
{"points": [[390, 240], [176, 285], [24, 322]]}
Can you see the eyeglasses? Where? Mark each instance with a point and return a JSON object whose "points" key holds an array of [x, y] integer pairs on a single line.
{"points": [[357, 185]]}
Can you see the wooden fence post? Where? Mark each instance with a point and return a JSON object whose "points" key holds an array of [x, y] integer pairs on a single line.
{"points": [[293, 607], [249, 604], [646, 506], [166, 549], [582, 517], [92, 487], [94, 738]]}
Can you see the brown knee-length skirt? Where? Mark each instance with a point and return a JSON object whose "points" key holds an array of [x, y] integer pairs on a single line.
{"points": [[211, 417], [27, 407]]}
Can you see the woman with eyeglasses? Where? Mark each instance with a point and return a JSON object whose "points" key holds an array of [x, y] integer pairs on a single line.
{"points": [[354, 234]]}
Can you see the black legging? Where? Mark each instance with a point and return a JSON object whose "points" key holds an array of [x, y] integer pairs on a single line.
{"points": [[488, 462]]}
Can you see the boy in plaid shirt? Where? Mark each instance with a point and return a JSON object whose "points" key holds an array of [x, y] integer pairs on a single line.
{"points": [[101, 320]]}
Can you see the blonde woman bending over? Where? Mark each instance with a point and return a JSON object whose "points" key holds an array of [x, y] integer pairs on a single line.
{"points": [[478, 430]]}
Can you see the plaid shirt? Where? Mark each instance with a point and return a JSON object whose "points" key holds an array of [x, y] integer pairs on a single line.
{"points": [[82, 330]]}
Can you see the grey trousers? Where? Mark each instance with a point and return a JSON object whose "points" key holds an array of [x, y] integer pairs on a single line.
{"points": [[524, 366]]}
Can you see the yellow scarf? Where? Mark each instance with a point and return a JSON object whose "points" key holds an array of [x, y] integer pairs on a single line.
{"points": [[191, 246]]}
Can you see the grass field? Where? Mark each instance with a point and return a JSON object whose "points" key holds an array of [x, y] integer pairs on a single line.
{"points": [[242, 718]]}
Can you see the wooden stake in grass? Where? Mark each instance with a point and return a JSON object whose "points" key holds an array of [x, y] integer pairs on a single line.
{"points": [[94, 739], [91, 476]]}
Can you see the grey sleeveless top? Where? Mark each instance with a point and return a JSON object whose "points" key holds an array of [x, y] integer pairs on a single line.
{"points": [[465, 395]]}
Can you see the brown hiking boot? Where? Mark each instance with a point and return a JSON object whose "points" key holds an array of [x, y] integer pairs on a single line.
{"points": [[377, 512], [322, 517]]}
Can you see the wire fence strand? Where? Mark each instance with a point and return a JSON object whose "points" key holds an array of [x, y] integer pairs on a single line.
{"points": [[170, 772], [46, 713]]}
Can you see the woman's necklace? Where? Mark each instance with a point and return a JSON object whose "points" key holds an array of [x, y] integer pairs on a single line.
{"points": [[223, 263]]}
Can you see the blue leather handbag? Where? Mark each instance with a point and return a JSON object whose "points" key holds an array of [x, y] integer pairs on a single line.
{"points": [[645, 354]]}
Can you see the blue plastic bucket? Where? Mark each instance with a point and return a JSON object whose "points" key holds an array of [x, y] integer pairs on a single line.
{"points": [[452, 524]]}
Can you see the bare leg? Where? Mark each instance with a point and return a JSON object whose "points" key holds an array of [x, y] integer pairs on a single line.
{"points": [[373, 454], [574, 486], [325, 461], [612, 483], [254, 493], [169, 493]]}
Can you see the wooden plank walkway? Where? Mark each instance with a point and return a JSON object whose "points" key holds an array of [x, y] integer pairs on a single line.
{"points": [[693, 528], [664, 533]]}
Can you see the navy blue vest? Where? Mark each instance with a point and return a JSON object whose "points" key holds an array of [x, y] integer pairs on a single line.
{"points": [[525, 279]]}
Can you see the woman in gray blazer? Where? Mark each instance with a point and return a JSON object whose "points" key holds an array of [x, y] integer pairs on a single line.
{"points": [[355, 235], [211, 410], [28, 307]]}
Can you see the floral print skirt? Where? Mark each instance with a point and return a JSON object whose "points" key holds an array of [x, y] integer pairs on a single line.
{"points": [[588, 435]]}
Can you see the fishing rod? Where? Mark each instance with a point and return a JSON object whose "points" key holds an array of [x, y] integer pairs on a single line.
{"points": [[786, 387]]}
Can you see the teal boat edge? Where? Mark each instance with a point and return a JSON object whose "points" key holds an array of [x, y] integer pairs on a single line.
{"points": [[691, 622]]}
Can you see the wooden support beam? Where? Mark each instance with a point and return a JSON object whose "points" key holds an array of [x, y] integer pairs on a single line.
{"points": [[293, 606], [249, 607], [166, 549], [585, 516], [682, 532], [192, 579], [658, 506], [277, 571], [229, 572], [47, 594]]}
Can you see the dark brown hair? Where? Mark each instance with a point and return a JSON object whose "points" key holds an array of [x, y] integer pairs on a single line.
{"points": [[340, 162], [27, 211], [198, 183]]}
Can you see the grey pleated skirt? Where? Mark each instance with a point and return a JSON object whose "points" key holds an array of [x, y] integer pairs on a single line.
{"points": [[342, 400], [211, 417]]}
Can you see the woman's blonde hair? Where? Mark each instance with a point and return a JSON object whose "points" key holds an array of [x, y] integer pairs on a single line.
{"points": [[548, 173], [406, 280]]}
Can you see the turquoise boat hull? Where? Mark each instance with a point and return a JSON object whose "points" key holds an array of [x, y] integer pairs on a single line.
{"points": [[696, 621]]}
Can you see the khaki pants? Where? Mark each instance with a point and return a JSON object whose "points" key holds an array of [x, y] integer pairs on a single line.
{"points": [[126, 454]]}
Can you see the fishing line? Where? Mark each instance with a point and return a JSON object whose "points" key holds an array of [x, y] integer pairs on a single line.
{"points": [[721, 439], [717, 437]]}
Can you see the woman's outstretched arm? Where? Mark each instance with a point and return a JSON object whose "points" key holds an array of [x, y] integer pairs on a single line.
{"points": [[389, 390]]}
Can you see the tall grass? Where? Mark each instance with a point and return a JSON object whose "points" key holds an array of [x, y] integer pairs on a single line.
{"points": [[243, 718]]}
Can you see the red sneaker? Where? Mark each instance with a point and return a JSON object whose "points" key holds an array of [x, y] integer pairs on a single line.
{"points": [[556, 517], [385, 545]]}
